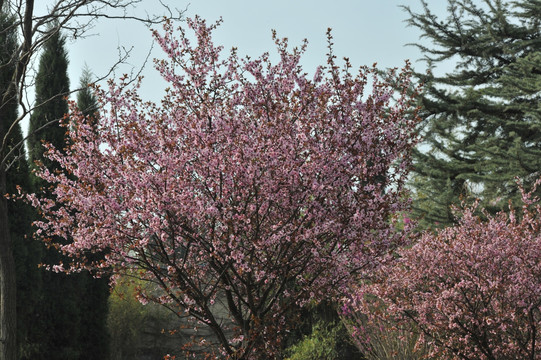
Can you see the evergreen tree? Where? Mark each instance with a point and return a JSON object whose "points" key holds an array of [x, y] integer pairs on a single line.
{"points": [[86, 100], [26, 251], [52, 87], [482, 120], [59, 319], [94, 303]]}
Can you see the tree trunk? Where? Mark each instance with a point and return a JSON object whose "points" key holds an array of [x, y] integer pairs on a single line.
{"points": [[7, 282]]}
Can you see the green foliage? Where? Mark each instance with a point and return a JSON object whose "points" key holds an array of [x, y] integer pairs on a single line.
{"points": [[482, 120], [86, 99], [125, 321], [52, 88], [316, 324], [326, 342], [321, 344], [58, 321], [138, 330]]}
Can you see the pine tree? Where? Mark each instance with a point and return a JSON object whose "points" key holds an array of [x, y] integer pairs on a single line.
{"points": [[59, 319], [482, 120], [26, 252], [94, 303]]}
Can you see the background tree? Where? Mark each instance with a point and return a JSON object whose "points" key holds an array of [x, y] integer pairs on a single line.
{"points": [[75, 16], [59, 317], [26, 251], [52, 89], [481, 120], [471, 291], [250, 188], [86, 99]]}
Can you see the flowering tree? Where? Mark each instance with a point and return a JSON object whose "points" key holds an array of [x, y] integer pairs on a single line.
{"points": [[471, 291], [249, 187]]}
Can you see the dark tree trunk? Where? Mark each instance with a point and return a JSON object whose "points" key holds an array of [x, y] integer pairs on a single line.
{"points": [[7, 281]]}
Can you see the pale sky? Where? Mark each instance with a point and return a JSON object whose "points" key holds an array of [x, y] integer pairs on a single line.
{"points": [[366, 31]]}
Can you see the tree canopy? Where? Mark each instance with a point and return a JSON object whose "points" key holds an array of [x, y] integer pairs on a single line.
{"points": [[249, 187]]}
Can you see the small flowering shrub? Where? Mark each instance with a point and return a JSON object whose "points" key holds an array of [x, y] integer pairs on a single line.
{"points": [[470, 291], [382, 337], [248, 190]]}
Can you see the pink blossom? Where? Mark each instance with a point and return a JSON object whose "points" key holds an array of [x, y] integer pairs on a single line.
{"points": [[248, 182], [472, 290]]}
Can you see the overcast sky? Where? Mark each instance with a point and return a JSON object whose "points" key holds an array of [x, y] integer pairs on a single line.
{"points": [[366, 31]]}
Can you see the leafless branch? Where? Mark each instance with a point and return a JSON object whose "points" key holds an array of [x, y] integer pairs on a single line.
{"points": [[74, 18]]}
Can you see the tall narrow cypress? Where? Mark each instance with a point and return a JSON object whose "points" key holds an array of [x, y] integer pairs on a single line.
{"points": [[26, 252], [483, 119], [86, 100], [59, 318], [52, 88]]}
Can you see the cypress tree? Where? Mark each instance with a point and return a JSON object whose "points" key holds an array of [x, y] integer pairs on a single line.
{"points": [[86, 100], [482, 119], [26, 252], [59, 319], [94, 303], [52, 87]]}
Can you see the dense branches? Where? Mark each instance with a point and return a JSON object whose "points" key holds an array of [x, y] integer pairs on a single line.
{"points": [[249, 186]]}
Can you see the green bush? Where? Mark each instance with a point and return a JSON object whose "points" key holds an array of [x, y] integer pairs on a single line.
{"points": [[126, 321], [321, 344]]}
